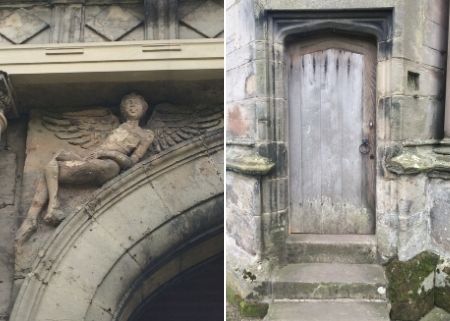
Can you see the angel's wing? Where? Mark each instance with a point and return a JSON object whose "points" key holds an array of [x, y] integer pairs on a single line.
{"points": [[86, 128], [173, 124]]}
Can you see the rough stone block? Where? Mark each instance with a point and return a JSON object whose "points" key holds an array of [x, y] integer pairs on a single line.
{"points": [[7, 177], [7, 230], [437, 11], [411, 286], [274, 234], [435, 35], [241, 121], [439, 194], [442, 285], [242, 30], [243, 211], [433, 57], [275, 195], [247, 81], [416, 118]]}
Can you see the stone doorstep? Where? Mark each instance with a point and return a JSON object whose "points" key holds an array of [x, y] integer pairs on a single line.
{"points": [[329, 281], [324, 248], [322, 310]]}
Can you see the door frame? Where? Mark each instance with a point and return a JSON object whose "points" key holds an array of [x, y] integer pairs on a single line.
{"points": [[279, 26], [366, 47]]}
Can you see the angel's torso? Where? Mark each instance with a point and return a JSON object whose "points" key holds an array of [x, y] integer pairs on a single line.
{"points": [[124, 139]]}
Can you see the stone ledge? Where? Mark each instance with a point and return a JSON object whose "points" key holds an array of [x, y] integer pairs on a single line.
{"points": [[435, 162], [249, 163]]}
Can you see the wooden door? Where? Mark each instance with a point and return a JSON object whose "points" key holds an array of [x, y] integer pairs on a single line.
{"points": [[331, 85]]}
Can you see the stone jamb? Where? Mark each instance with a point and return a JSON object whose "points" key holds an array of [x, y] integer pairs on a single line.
{"points": [[280, 24]]}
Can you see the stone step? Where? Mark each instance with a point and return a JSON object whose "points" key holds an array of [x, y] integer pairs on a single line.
{"points": [[326, 248], [328, 311], [329, 281]]}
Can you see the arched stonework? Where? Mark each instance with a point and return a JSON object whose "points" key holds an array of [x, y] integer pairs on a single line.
{"points": [[163, 216]]}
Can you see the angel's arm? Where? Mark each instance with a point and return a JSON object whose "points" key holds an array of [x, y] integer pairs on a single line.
{"points": [[143, 146]]}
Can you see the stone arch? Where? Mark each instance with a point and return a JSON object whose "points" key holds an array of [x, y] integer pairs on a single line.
{"points": [[160, 218]]}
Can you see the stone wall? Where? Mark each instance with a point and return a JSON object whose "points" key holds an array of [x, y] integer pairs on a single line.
{"points": [[12, 155], [411, 210]]}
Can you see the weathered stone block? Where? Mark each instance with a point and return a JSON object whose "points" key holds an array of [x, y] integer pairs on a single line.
{"points": [[439, 194], [243, 211], [416, 118], [275, 194], [435, 35], [242, 30], [247, 81], [274, 234], [241, 121], [437, 11], [7, 177], [442, 285], [411, 286]]}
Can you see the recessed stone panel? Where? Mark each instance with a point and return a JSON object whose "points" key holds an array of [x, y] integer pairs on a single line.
{"points": [[21, 25], [206, 19], [113, 22]]}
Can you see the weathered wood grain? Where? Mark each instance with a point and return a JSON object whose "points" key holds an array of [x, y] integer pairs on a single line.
{"points": [[331, 101]]}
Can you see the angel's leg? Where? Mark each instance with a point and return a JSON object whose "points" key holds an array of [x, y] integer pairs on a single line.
{"points": [[51, 177], [29, 224], [54, 214]]}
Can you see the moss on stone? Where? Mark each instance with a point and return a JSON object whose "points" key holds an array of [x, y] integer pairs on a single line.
{"points": [[410, 286], [232, 297], [253, 309], [247, 309], [442, 298], [442, 289]]}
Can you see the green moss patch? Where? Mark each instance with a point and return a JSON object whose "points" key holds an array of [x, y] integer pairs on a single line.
{"points": [[411, 286], [247, 309]]}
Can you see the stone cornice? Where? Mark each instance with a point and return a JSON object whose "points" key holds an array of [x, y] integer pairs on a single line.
{"points": [[198, 59]]}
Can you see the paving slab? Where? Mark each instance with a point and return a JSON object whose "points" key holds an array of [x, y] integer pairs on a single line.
{"points": [[328, 311], [437, 314]]}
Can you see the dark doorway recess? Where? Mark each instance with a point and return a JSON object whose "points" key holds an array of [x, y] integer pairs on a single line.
{"points": [[194, 295]]}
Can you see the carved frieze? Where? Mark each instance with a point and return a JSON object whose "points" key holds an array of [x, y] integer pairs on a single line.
{"points": [[67, 21]]}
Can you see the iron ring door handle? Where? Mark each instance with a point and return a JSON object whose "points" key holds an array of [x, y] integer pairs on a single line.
{"points": [[364, 148]]}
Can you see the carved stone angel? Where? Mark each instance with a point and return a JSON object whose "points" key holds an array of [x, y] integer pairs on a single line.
{"points": [[117, 148]]}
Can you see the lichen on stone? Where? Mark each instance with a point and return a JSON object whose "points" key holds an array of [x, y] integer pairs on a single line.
{"points": [[420, 160], [410, 286], [246, 308], [442, 285], [250, 164]]}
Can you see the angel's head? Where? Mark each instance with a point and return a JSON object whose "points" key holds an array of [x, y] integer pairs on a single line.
{"points": [[133, 106]]}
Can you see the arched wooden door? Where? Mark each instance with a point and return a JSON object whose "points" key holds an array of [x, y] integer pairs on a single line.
{"points": [[331, 84]]}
